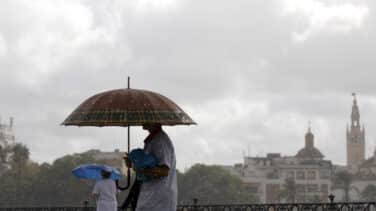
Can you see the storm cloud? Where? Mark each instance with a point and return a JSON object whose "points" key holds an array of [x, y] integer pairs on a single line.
{"points": [[250, 73]]}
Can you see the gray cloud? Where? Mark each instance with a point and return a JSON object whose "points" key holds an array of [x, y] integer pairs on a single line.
{"points": [[237, 68]]}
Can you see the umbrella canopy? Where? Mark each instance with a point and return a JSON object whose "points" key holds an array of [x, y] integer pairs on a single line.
{"points": [[93, 171], [125, 107]]}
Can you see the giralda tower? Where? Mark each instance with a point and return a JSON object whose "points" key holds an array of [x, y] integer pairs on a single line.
{"points": [[355, 136]]}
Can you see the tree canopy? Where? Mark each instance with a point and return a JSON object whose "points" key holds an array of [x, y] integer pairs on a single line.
{"points": [[29, 184], [369, 193], [212, 184], [343, 180]]}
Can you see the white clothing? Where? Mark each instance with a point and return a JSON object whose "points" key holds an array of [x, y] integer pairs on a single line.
{"points": [[160, 194], [106, 190]]}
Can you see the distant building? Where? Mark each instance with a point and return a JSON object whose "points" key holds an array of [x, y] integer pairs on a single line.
{"points": [[355, 139], [313, 177], [362, 171], [114, 158], [7, 137], [267, 176]]}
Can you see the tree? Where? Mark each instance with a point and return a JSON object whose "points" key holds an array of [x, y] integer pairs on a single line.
{"points": [[12, 179], [3, 154], [56, 185], [289, 190], [20, 156], [369, 193], [212, 184], [45, 184], [343, 180]]}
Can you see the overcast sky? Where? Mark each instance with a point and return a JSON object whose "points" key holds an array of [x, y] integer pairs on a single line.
{"points": [[250, 73]]}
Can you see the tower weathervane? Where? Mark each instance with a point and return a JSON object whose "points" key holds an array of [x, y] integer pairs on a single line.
{"points": [[309, 125]]}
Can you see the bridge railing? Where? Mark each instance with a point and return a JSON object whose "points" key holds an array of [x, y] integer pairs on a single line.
{"points": [[351, 206]]}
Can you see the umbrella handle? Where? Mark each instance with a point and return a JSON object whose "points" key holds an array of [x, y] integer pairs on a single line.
{"points": [[128, 179], [128, 182]]}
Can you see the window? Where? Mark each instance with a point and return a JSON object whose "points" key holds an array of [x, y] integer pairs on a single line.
{"points": [[324, 188], [252, 187], [300, 175], [324, 174], [273, 175], [250, 173], [311, 175], [300, 188], [290, 175], [312, 188]]}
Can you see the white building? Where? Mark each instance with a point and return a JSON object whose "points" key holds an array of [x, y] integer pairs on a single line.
{"points": [[309, 173], [7, 137], [313, 177], [114, 158]]}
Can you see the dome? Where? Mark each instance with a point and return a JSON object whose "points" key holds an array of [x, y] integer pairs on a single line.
{"points": [[309, 152]]}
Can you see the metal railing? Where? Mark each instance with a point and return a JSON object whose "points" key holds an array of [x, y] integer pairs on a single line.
{"points": [[351, 206], [330, 206], [358, 206]]}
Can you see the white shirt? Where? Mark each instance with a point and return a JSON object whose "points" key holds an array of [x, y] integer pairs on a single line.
{"points": [[160, 194], [106, 190]]}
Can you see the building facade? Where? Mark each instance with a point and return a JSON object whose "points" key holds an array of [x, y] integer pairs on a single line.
{"points": [[304, 177]]}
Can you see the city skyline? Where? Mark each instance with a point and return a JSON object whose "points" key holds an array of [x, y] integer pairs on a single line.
{"points": [[308, 130]]}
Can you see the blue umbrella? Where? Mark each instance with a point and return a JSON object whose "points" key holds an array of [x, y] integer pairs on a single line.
{"points": [[93, 171]]}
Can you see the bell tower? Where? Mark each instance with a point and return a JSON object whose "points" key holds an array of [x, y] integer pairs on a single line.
{"points": [[355, 138]]}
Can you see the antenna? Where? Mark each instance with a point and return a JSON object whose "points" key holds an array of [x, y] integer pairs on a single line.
{"points": [[11, 122], [309, 125]]}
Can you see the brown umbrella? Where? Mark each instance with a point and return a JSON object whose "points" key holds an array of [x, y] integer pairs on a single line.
{"points": [[127, 107]]}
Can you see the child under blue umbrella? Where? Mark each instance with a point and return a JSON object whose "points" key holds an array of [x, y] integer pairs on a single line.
{"points": [[105, 192]]}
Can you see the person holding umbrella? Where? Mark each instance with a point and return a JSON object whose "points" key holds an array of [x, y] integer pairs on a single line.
{"points": [[160, 193], [105, 192], [135, 107]]}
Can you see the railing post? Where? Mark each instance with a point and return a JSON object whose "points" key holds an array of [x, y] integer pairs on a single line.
{"points": [[331, 199], [86, 205], [195, 202]]}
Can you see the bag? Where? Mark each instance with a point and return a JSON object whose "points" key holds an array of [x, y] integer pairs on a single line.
{"points": [[142, 160]]}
